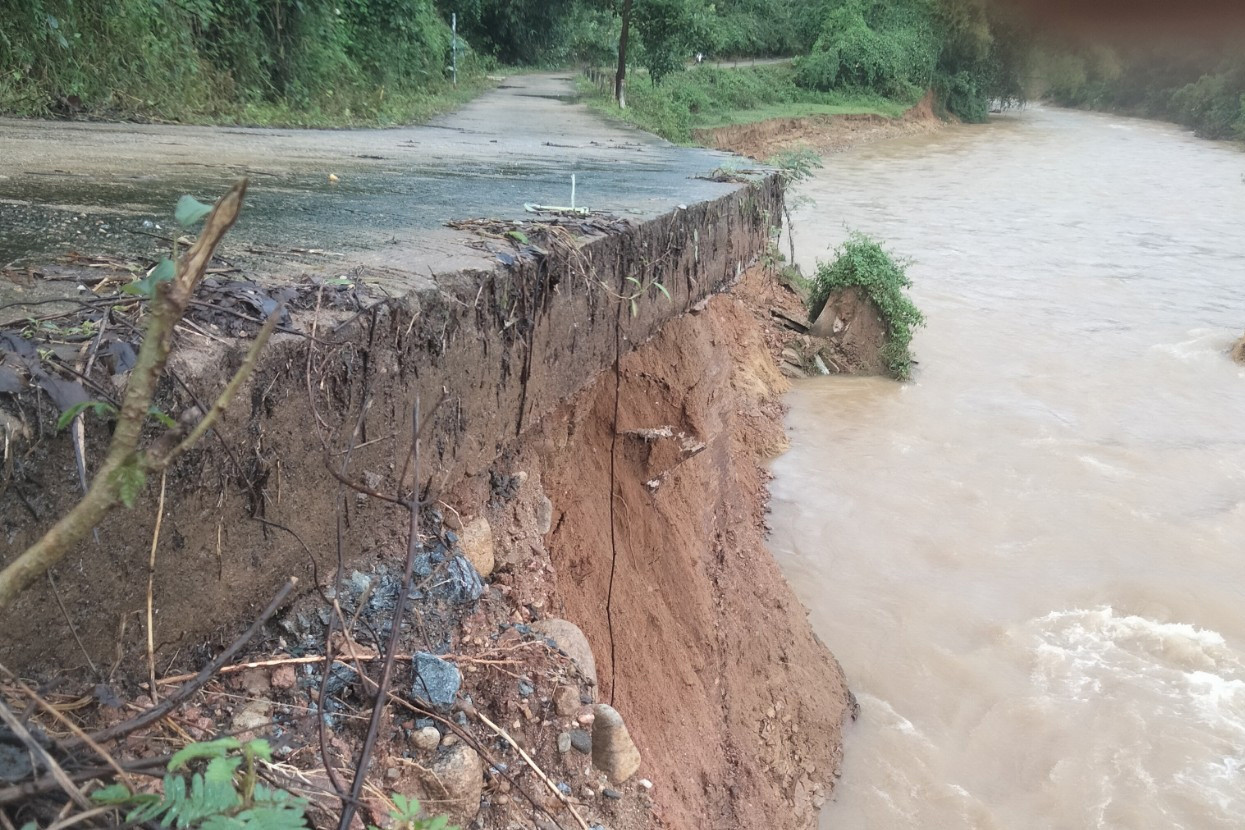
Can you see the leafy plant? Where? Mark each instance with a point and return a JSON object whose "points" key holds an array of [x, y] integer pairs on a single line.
{"points": [[225, 794], [863, 263], [405, 816], [188, 213], [102, 409]]}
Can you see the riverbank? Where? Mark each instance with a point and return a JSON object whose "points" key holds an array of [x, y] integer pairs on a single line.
{"points": [[821, 133], [735, 708]]}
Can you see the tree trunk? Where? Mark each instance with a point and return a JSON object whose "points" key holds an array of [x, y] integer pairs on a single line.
{"points": [[620, 79]]}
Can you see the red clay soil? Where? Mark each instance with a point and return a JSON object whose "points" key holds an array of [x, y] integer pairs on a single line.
{"points": [[735, 704], [821, 133]]}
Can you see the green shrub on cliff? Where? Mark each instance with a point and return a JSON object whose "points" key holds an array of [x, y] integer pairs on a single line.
{"points": [[861, 262]]}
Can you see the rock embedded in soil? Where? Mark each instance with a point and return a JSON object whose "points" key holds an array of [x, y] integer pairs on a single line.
{"points": [[564, 742], [566, 701], [569, 638], [476, 543], [581, 740], [436, 681], [426, 738], [613, 751], [283, 677], [454, 783], [255, 715]]}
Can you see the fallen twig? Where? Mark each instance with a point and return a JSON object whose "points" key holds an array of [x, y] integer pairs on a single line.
{"points": [[536, 769]]}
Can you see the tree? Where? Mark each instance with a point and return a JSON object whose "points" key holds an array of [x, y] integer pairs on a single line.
{"points": [[620, 78], [669, 31]]}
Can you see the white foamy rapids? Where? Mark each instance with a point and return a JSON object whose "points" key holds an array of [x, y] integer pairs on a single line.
{"points": [[1203, 345], [1161, 706]]}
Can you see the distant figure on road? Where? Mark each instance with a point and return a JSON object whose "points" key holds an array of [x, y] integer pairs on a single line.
{"points": [[700, 57]]}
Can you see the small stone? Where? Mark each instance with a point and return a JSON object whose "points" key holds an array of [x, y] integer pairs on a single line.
{"points": [[582, 741], [544, 514], [564, 742], [476, 543], [426, 739], [502, 800], [645, 783], [449, 739], [587, 792], [436, 681], [564, 788], [392, 773], [614, 794], [769, 713], [586, 718], [566, 701], [255, 715], [284, 678], [254, 682], [525, 688], [613, 751], [570, 639]]}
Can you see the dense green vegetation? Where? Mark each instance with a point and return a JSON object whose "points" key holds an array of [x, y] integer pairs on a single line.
{"points": [[861, 262], [383, 61], [1191, 84], [252, 61], [708, 96]]}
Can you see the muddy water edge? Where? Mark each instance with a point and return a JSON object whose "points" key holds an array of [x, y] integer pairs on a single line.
{"points": [[1028, 558]]}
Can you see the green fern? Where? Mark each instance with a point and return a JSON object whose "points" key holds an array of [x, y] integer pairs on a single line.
{"points": [[224, 796]]}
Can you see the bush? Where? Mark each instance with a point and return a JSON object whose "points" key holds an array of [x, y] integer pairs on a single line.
{"points": [[861, 262], [223, 60], [885, 47]]}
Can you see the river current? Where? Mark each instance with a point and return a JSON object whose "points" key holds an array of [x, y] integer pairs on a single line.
{"points": [[1030, 560]]}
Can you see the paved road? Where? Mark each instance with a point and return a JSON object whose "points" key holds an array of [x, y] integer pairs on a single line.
{"points": [[99, 188]]}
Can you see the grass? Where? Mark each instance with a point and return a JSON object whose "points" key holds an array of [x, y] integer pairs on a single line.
{"points": [[372, 108], [708, 96], [850, 105], [377, 110]]}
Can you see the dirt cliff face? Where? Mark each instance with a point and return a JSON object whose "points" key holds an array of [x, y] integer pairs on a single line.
{"points": [[736, 706]]}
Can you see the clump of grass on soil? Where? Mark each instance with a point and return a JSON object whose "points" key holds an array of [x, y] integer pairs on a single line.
{"points": [[861, 262], [710, 96]]}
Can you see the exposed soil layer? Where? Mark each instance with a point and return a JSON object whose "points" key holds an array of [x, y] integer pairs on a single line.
{"points": [[821, 133], [736, 705], [502, 347]]}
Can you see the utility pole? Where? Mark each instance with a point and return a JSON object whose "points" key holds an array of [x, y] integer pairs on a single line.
{"points": [[454, 46], [620, 79]]}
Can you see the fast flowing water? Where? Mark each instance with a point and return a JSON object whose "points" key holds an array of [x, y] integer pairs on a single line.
{"points": [[1031, 560]]}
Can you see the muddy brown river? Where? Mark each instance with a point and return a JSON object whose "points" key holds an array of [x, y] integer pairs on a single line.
{"points": [[1031, 559]]}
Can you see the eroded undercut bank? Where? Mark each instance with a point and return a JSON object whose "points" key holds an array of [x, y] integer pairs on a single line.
{"points": [[597, 416]]}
